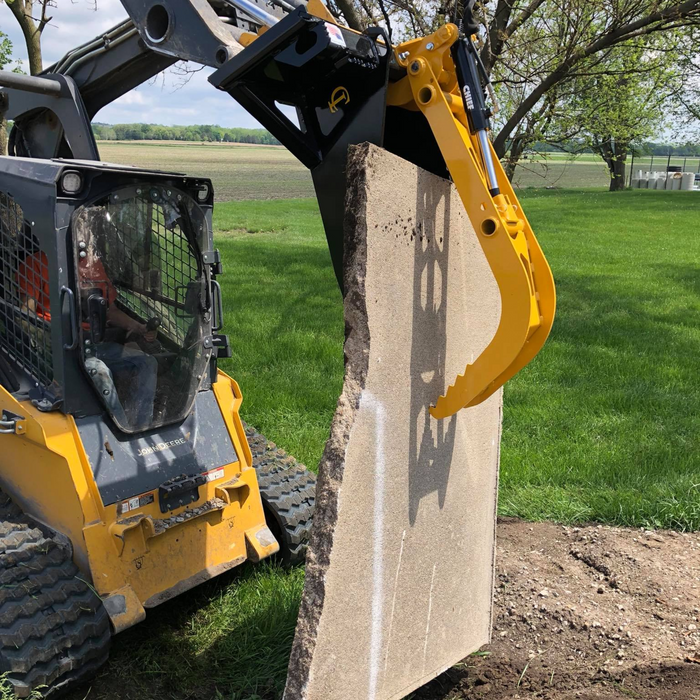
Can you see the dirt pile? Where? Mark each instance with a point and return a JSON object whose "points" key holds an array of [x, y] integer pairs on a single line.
{"points": [[591, 613]]}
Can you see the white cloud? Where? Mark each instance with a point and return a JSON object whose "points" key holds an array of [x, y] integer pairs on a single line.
{"points": [[160, 101]]}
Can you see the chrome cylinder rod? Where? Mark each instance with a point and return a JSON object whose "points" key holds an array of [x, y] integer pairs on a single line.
{"points": [[254, 11], [485, 143]]}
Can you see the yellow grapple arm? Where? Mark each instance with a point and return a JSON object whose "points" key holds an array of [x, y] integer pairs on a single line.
{"points": [[444, 81], [524, 279]]}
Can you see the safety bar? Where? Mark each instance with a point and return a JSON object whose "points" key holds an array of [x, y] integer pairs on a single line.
{"points": [[30, 83]]}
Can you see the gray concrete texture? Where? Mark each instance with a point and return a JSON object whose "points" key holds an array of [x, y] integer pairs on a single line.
{"points": [[399, 574]]}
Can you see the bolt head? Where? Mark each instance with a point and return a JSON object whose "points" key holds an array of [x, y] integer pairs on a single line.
{"points": [[83, 254], [430, 46], [415, 67], [105, 392], [82, 245]]}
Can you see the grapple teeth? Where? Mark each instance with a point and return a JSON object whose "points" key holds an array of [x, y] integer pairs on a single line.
{"points": [[525, 283]]}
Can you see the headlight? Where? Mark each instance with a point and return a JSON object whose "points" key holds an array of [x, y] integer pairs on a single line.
{"points": [[203, 192], [71, 182]]}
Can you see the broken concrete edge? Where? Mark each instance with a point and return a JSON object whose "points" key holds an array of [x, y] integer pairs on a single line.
{"points": [[330, 472]]}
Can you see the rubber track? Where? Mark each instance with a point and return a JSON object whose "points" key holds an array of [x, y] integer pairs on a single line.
{"points": [[288, 489], [54, 630]]}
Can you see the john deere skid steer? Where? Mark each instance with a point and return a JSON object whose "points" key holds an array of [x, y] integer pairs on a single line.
{"points": [[127, 474]]}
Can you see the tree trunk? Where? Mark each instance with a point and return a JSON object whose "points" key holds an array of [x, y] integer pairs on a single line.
{"points": [[614, 153], [517, 147], [350, 14], [3, 124], [22, 10], [617, 173]]}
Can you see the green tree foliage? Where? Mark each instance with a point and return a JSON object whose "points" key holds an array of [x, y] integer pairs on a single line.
{"points": [[535, 49], [199, 132], [622, 101]]}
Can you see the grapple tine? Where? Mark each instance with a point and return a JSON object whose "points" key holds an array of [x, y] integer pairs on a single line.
{"points": [[512, 251]]}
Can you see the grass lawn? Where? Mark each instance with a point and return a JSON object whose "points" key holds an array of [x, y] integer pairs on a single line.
{"points": [[603, 425]]}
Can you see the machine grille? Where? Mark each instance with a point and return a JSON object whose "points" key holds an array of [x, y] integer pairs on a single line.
{"points": [[25, 316], [167, 273]]}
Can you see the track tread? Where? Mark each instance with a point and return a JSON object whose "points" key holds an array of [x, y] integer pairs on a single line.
{"points": [[288, 491], [54, 630]]}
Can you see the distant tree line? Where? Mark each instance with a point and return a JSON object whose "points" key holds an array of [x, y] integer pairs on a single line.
{"points": [[645, 148], [196, 132]]}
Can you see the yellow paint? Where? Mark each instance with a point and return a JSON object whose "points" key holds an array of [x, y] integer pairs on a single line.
{"points": [[339, 96], [525, 282], [318, 9], [144, 555]]}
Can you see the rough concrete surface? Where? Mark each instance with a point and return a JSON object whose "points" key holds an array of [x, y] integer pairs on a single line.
{"points": [[400, 569]]}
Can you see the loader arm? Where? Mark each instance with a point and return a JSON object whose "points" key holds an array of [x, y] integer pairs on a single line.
{"points": [[423, 100]]}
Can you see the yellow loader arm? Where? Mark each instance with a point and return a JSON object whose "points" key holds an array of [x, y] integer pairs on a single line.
{"points": [[524, 279]]}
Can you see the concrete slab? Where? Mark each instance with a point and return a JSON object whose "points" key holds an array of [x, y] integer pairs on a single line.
{"points": [[400, 569]]}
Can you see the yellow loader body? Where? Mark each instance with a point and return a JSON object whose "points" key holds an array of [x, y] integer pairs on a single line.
{"points": [[135, 558]]}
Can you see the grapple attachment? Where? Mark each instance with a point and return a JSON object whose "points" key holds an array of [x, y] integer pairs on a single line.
{"points": [[442, 81], [424, 101]]}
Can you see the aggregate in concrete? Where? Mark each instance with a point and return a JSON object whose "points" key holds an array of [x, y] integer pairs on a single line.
{"points": [[399, 574]]}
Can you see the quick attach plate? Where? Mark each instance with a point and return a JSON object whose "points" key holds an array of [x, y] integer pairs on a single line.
{"points": [[336, 79]]}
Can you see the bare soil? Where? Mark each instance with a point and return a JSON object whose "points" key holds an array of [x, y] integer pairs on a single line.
{"points": [[587, 612]]}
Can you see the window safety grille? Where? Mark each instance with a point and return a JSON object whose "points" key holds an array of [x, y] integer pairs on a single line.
{"points": [[149, 260], [138, 248], [25, 313]]}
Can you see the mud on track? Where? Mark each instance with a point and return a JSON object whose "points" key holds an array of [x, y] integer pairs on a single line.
{"points": [[587, 613]]}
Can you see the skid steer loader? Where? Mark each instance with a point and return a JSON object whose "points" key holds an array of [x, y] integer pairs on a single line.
{"points": [[127, 474]]}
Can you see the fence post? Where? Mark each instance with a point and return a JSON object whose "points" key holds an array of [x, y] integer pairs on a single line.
{"points": [[651, 167], [684, 159], [631, 168], [668, 165]]}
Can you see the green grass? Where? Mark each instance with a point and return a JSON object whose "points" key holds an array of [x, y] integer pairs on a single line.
{"points": [[284, 314], [228, 639], [602, 426]]}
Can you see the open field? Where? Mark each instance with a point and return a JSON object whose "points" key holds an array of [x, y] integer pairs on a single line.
{"points": [[242, 172], [602, 426], [238, 171], [561, 171]]}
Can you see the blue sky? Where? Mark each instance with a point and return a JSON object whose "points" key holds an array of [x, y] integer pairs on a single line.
{"points": [[77, 21]]}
